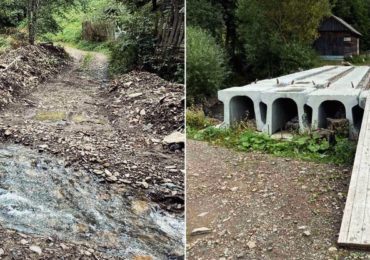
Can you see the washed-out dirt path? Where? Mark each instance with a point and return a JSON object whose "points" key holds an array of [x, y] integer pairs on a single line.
{"points": [[68, 117], [72, 116], [258, 206]]}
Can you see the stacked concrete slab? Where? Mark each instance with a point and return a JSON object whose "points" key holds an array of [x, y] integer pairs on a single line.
{"points": [[310, 97]]}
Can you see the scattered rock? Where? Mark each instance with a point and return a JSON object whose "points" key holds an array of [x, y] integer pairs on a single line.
{"points": [[200, 231], [251, 244], [174, 138], [36, 249]]}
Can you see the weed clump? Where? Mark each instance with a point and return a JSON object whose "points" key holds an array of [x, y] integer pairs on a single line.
{"points": [[310, 147]]}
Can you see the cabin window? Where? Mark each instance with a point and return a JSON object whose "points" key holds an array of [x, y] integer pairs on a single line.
{"points": [[347, 39]]}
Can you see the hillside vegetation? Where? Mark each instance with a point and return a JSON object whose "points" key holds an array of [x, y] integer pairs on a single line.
{"points": [[128, 31], [261, 39]]}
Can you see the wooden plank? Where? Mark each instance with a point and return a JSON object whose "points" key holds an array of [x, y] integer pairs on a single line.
{"points": [[355, 228]]}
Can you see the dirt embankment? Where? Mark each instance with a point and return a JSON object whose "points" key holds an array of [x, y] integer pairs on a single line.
{"points": [[23, 69]]}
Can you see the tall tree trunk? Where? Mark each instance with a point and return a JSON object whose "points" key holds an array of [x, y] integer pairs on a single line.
{"points": [[32, 20], [154, 2]]}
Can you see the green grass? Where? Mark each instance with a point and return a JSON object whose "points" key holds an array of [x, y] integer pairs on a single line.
{"points": [[71, 24], [302, 146], [4, 43], [87, 60]]}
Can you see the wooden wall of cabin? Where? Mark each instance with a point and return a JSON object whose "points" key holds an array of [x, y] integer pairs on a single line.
{"points": [[337, 44]]}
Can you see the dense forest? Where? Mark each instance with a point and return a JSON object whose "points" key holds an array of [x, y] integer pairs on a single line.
{"points": [[236, 42], [137, 34]]}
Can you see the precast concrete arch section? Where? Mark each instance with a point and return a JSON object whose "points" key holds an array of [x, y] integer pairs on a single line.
{"points": [[284, 110], [342, 86], [241, 109], [330, 109]]}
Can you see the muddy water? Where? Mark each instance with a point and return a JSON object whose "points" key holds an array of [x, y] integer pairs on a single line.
{"points": [[39, 195]]}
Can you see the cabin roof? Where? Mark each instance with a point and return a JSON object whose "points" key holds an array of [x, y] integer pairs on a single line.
{"points": [[324, 27]]}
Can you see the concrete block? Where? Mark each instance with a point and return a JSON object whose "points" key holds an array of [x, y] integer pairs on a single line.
{"points": [[306, 98]]}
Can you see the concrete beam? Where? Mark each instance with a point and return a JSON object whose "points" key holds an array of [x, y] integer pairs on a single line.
{"points": [[303, 96]]}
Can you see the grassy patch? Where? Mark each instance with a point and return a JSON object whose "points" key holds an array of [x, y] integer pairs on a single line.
{"points": [[87, 60], [71, 24], [4, 43], [305, 147]]}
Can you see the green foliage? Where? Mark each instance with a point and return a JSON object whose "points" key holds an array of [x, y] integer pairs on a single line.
{"points": [[71, 23], [12, 12], [205, 15], [206, 65], [304, 147], [277, 35], [87, 60], [4, 43], [359, 59], [137, 46], [197, 119]]}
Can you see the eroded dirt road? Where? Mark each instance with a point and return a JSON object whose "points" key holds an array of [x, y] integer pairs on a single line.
{"points": [[257, 206], [69, 118]]}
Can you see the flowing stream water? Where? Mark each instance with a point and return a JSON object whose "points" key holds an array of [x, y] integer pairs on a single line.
{"points": [[38, 195]]}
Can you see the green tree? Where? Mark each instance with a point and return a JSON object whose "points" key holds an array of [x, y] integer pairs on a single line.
{"points": [[269, 29], [205, 63], [206, 15]]}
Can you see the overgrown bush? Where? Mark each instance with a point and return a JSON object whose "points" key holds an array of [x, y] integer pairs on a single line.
{"points": [[359, 59], [136, 47], [307, 147], [195, 118], [206, 65]]}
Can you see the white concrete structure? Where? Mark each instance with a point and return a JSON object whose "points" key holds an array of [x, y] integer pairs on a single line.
{"points": [[308, 96]]}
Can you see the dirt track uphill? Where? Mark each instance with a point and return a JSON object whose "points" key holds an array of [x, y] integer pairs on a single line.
{"points": [[104, 129], [75, 116]]}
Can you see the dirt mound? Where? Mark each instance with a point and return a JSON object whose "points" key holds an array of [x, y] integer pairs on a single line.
{"points": [[157, 102], [24, 68]]}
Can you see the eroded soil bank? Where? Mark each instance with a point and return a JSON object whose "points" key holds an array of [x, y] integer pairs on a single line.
{"points": [[64, 134]]}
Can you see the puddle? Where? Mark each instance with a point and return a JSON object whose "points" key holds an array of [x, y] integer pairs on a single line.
{"points": [[39, 196], [52, 116]]}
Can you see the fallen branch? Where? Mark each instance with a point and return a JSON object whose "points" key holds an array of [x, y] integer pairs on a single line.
{"points": [[6, 67]]}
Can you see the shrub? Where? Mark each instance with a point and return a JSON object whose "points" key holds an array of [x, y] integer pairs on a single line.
{"points": [[195, 118], [206, 65]]}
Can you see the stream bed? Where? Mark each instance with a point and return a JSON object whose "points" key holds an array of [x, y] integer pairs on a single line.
{"points": [[38, 195]]}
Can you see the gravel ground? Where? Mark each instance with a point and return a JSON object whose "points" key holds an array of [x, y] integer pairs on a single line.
{"points": [[257, 206]]}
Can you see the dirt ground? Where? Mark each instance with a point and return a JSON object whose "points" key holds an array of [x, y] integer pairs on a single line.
{"points": [[257, 206], [69, 116]]}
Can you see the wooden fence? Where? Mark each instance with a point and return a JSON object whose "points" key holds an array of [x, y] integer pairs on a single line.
{"points": [[97, 31], [170, 28]]}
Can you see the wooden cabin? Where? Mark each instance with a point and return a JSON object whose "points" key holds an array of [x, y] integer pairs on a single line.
{"points": [[337, 39]]}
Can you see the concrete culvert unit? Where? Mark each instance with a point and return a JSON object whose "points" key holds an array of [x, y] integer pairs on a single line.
{"points": [[319, 93], [307, 117], [241, 109], [331, 109], [357, 114], [263, 110], [284, 110]]}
